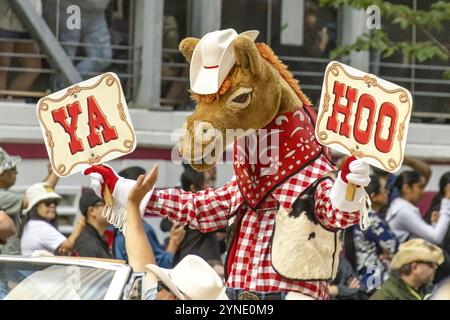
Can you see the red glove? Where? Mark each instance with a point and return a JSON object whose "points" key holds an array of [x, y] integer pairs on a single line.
{"points": [[110, 178], [345, 169]]}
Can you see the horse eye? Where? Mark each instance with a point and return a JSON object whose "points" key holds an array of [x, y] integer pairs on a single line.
{"points": [[241, 98]]}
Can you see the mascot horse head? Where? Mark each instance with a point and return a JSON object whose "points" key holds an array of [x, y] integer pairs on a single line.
{"points": [[238, 86]]}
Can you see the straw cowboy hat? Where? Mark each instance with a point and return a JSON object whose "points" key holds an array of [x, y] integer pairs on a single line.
{"points": [[416, 250], [39, 192], [7, 162], [213, 58], [192, 277]]}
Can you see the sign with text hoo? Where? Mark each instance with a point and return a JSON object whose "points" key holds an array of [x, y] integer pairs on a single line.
{"points": [[86, 124], [363, 115]]}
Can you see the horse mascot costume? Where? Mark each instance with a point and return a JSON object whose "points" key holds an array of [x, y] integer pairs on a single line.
{"points": [[284, 208]]}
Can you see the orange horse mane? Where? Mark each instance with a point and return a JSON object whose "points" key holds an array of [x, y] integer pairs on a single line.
{"points": [[267, 53]]}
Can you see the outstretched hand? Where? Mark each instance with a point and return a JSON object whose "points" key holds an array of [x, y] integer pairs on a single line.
{"points": [[142, 186]]}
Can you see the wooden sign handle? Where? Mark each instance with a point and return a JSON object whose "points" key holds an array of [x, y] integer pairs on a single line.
{"points": [[107, 196], [350, 192]]}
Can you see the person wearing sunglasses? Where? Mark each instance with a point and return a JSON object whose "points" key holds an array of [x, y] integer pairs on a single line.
{"points": [[412, 271], [13, 202], [39, 228]]}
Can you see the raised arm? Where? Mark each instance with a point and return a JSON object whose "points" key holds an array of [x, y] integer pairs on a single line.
{"points": [[51, 179], [7, 227], [138, 247], [420, 166], [414, 224], [66, 247], [207, 210], [139, 250]]}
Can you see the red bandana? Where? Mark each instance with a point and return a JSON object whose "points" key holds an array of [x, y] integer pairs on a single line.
{"points": [[267, 158]]}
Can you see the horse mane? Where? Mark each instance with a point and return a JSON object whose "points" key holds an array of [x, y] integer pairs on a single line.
{"points": [[267, 54]]}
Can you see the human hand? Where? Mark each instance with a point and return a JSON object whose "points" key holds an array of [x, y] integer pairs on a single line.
{"points": [[142, 186], [177, 233], [64, 249], [353, 283], [434, 217], [333, 290]]}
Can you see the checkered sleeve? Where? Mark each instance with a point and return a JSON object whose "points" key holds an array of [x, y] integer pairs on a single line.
{"points": [[206, 211], [328, 216]]}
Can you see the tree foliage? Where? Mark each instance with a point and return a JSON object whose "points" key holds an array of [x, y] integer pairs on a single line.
{"points": [[428, 21]]}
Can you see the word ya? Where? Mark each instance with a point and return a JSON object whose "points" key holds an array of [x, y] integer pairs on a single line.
{"points": [[96, 121]]}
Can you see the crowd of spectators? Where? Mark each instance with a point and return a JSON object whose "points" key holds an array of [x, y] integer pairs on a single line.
{"points": [[403, 254]]}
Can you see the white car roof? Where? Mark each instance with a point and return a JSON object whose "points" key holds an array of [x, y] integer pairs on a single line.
{"points": [[82, 261], [121, 270]]}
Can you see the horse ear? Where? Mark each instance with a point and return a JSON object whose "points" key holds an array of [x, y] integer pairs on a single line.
{"points": [[247, 55], [187, 46]]}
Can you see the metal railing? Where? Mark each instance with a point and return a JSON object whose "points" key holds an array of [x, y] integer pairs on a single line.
{"points": [[174, 81], [310, 79], [125, 63], [430, 91]]}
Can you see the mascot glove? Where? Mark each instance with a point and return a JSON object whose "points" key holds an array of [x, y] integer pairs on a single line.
{"points": [[119, 187], [355, 171]]}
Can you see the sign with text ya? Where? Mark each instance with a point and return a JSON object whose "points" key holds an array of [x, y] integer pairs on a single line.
{"points": [[86, 124], [363, 115]]}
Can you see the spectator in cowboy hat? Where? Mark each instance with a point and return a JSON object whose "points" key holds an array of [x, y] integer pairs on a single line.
{"points": [[12, 202], [412, 270], [191, 278], [39, 229]]}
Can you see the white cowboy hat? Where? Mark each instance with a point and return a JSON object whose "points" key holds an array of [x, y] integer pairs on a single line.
{"points": [[213, 59], [39, 192], [192, 276]]}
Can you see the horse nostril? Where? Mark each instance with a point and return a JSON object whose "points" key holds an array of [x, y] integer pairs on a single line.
{"points": [[205, 131]]}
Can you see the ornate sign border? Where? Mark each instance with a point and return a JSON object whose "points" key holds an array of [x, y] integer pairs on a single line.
{"points": [[110, 80], [392, 164]]}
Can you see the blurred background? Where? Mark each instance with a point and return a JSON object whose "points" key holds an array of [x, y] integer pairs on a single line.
{"points": [[48, 45]]}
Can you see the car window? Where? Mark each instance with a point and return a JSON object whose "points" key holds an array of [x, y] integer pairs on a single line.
{"points": [[25, 280]]}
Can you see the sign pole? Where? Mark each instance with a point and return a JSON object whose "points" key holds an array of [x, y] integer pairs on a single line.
{"points": [[350, 192]]}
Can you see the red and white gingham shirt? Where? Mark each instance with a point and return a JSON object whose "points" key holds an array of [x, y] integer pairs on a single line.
{"points": [[211, 209]]}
